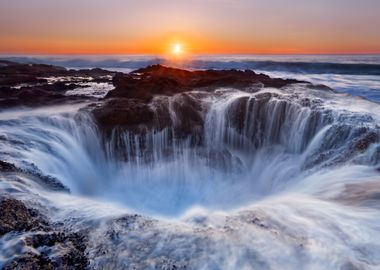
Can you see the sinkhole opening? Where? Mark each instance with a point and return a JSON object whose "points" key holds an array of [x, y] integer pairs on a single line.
{"points": [[189, 179], [223, 155]]}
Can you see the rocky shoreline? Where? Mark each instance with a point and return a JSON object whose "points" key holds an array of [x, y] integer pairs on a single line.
{"points": [[140, 102], [49, 245], [45, 245], [34, 85], [128, 105]]}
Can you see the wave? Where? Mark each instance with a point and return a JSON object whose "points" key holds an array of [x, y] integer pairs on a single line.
{"points": [[301, 65]]}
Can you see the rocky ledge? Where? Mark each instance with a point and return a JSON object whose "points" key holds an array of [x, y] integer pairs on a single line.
{"points": [[147, 82], [38, 84], [129, 105], [139, 101], [44, 245]]}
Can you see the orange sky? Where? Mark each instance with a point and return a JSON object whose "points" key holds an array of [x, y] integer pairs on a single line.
{"points": [[202, 26]]}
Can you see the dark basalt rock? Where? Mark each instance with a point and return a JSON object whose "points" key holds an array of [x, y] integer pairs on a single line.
{"points": [[334, 150], [30, 261], [14, 216], [12, 73], [127, 86], [57, 249], [123, 112], [71, 245], [127, 106], [34, 173], [159, 80], [46, 181], [24, 84], [12, 68], [27, 96], [8, 167], [366, 141], [189, 119]]}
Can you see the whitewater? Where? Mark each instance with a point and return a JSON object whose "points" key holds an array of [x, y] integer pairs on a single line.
{"points": [[276, 179]]}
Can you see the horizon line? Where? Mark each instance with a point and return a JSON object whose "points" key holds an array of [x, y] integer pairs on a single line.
{"points": [[191, 55]]}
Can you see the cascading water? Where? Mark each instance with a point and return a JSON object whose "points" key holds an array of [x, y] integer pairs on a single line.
{"points": [[267, 180]]}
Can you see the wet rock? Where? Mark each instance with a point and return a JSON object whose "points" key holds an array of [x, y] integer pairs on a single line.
{"points": [[344, 143], [30, 261], [12, 73], [52, 183], [8, 167], [16, 79], [258, 108], [34, 173], [15, 216], [188, 117], [129, 105], [366, 141], [44, 180], [126, 113], [163, 263], [127, 86], [27, 84], [53, 248], [66, 250], [159, 80], [31, 96], [13, 68], [57, 251], [223, 160]]}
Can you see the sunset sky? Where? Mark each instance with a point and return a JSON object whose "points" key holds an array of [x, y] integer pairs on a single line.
{"points": [[201, 26]]}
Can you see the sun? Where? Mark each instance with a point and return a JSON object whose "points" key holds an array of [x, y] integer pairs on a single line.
{"points": [[177, 49]]}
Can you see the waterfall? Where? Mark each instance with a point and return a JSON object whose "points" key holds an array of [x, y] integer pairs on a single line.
{"points": [[242, 147], [220, 180]]}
